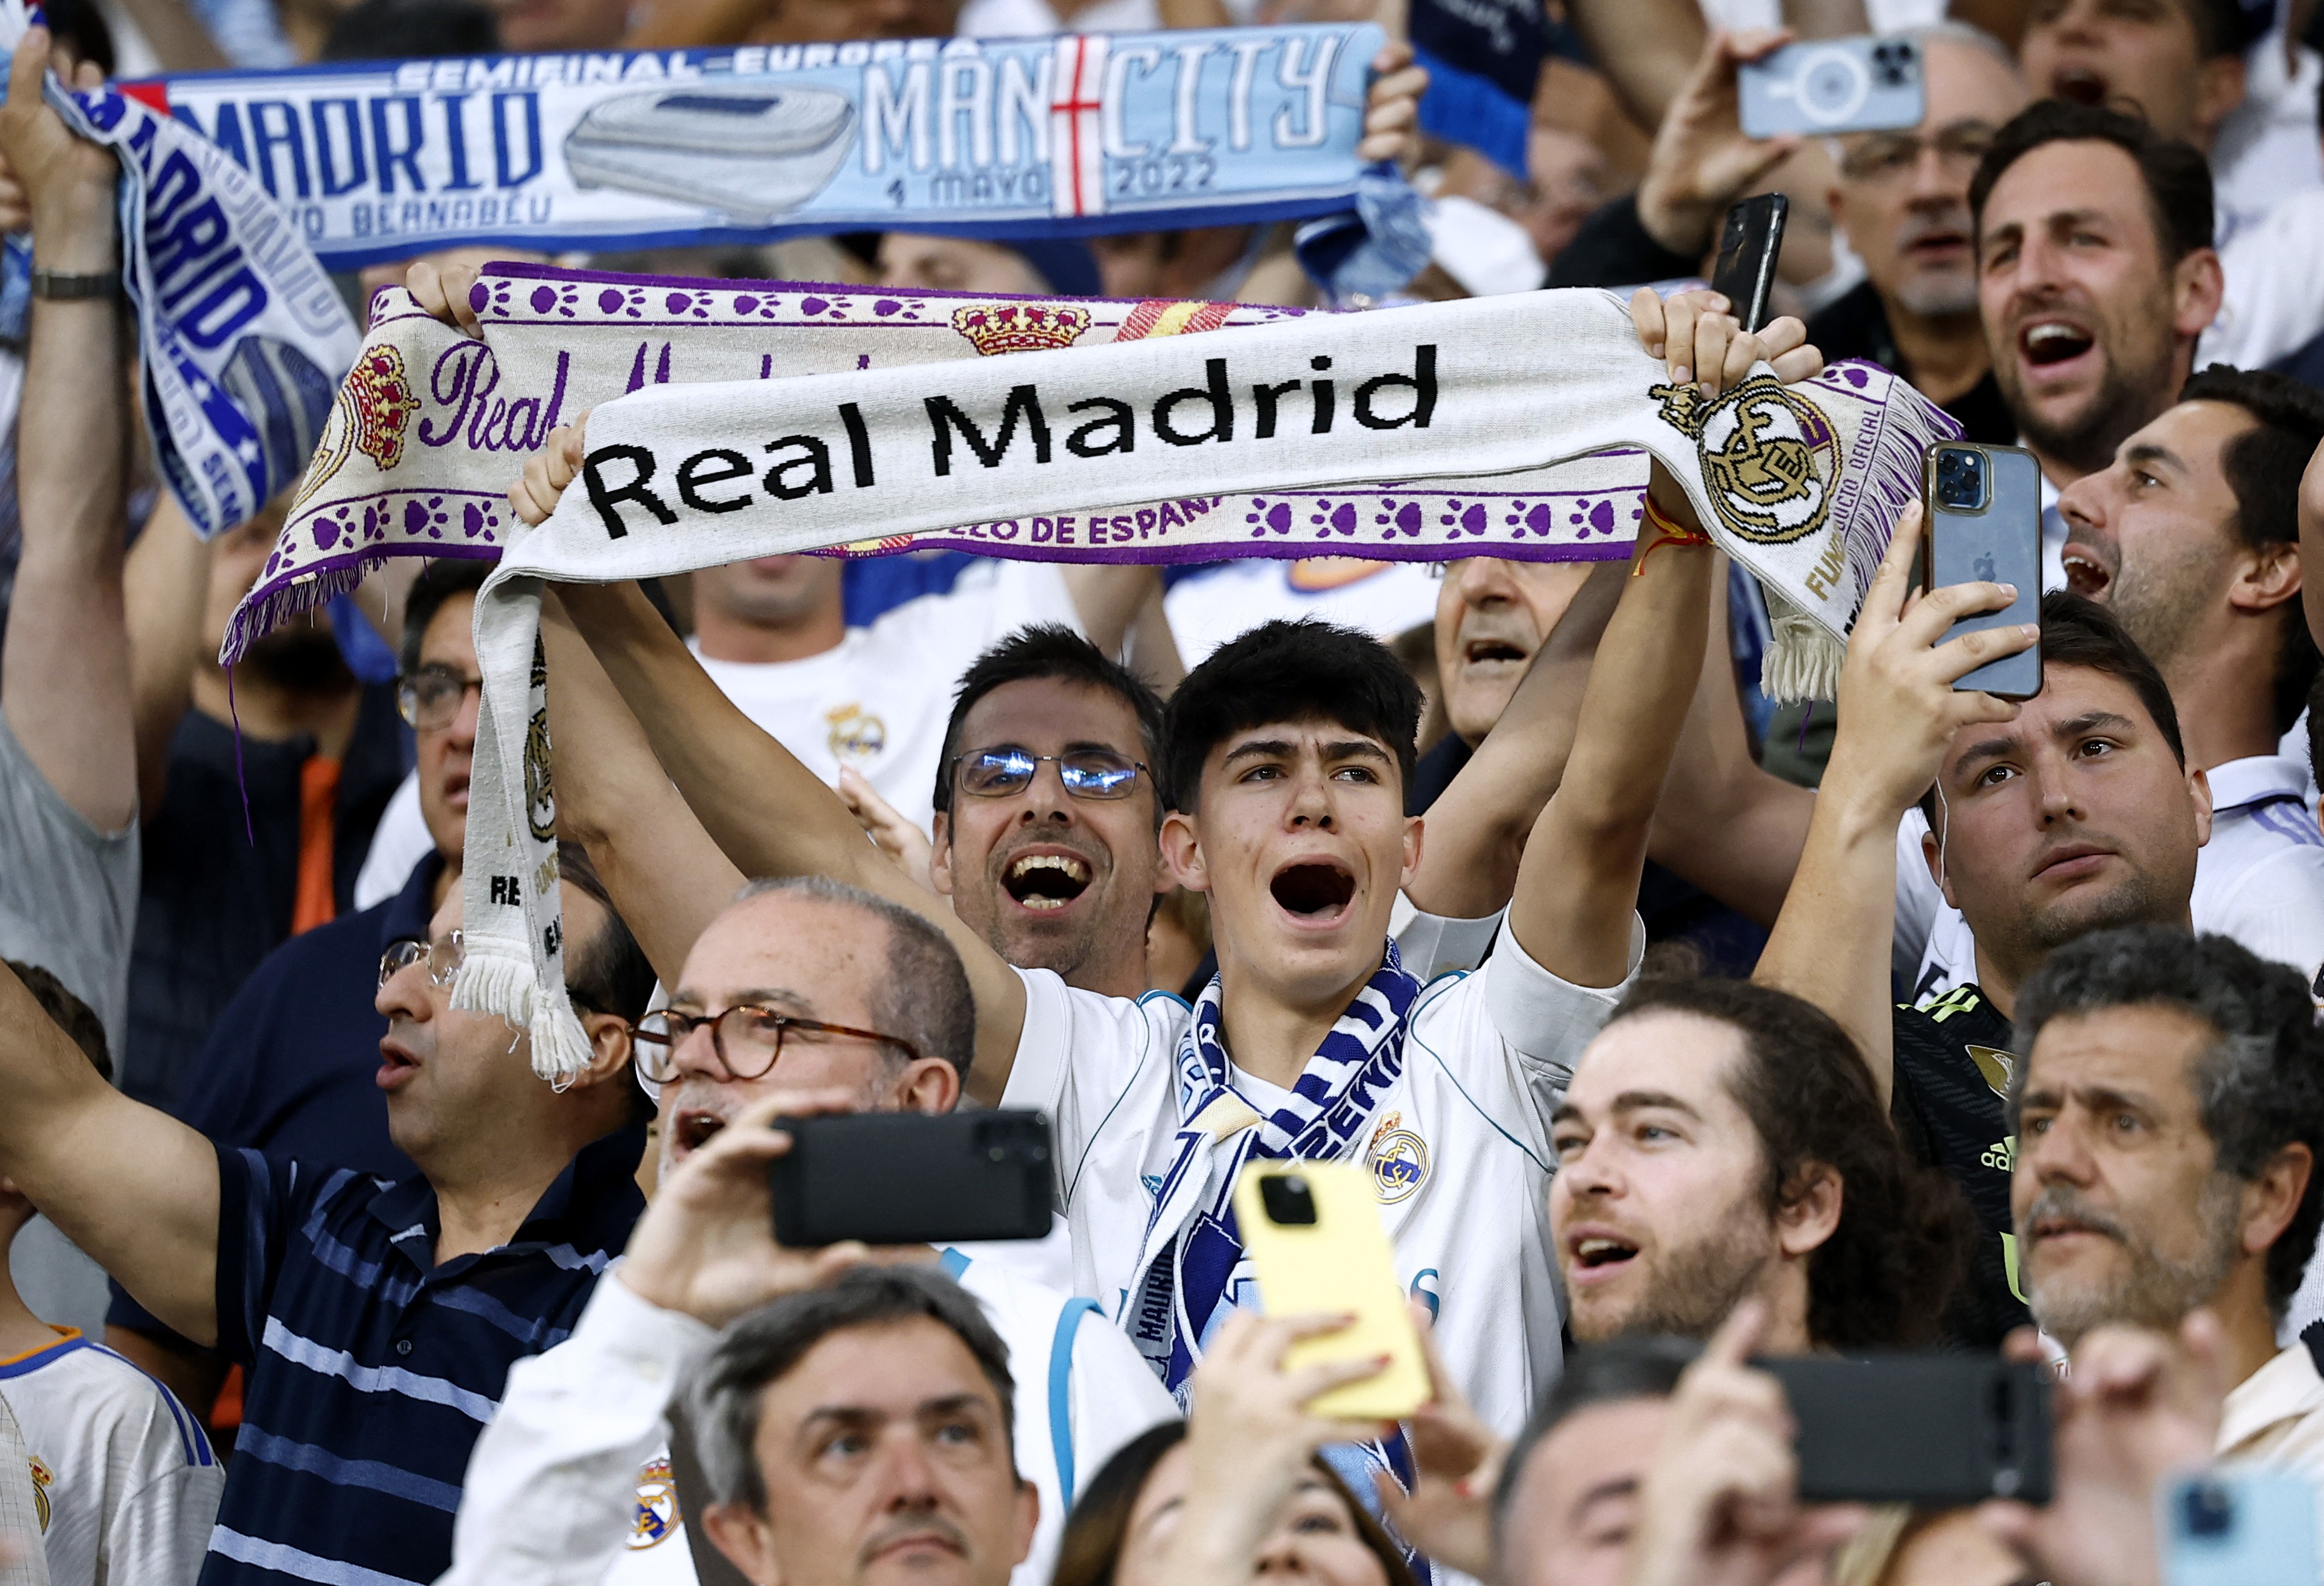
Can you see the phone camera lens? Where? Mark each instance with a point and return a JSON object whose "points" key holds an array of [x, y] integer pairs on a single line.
{"points": [[2209, 1509], [1287, 1199], [1960, 479]]}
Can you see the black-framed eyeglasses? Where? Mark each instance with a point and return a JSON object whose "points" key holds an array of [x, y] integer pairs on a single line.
{"points": [[747, 1039], [430, 699], [1007, 771]]}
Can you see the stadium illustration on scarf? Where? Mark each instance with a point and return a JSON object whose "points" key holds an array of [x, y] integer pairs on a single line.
{"points": [[1801, 486]]}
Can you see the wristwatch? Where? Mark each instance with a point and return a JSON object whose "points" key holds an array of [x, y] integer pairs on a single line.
{"points": [[58, 287]]}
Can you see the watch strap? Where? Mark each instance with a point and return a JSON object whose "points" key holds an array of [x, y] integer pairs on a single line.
{"points": [[58, 286]]}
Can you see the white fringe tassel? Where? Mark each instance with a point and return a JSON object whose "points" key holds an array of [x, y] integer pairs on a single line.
{"points": [[1803, 660]]}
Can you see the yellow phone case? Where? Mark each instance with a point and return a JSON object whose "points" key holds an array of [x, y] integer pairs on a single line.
{"points": [[1340, 1262]]}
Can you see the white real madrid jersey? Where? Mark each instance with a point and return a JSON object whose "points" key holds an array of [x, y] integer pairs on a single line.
{"points": [[1458, 1148], [125, 1485], [879, 701]]}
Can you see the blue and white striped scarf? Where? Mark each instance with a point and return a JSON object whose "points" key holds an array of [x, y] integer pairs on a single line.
{"points": [[1197, 1272]]}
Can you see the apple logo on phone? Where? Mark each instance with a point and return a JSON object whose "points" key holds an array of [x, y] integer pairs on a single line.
{"points": [[1984, 569]]}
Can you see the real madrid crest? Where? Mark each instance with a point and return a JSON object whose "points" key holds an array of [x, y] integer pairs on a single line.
{"points": [[657, 1515], [1398, 1160], [1767, 455]]}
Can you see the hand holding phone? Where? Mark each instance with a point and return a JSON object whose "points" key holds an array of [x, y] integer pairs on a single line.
{"points": [[1937, 1431], [1984, 525], [1749, 246], [1315, 1239], [912, 1178], [1826, 87]]}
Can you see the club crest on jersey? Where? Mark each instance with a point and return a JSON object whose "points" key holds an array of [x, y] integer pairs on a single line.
{"points": [[1399, 1160], [1768, 454], [657, 1513], [1993, 1067], [42, 1480], [856, 734]]}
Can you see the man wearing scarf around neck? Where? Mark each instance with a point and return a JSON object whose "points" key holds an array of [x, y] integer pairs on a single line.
{"points": [[1285, 761]]}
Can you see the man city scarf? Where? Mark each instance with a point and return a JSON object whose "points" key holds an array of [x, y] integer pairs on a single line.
{"points": [[997, 137], [1801, 485], [1196, 1273], [243, 337]]}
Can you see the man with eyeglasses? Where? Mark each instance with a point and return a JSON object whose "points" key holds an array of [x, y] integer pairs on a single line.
{"points": [[1902, 201], [289, 1067], [375, 1319], [802, 996]]}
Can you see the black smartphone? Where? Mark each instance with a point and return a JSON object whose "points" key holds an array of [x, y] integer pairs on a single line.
{"points": [[1748, 246], [1938, 1430], [912, 1178], [1982, 520]]}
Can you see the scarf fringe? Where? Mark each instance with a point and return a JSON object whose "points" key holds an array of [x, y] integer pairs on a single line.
{"points": [[263, 614], [497, 983], [1902, 434], [1803, 660], [560, 1046]]}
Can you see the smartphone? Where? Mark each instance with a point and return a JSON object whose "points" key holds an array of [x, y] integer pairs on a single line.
{"points": [[1982, 521], [912, 1178], [1830, 85], [1316, 1241], [1748, 246], [1937, 1431], [2238, 1528]]}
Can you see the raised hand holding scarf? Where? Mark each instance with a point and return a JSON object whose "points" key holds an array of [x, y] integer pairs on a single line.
{"points": [[1801, 485]]}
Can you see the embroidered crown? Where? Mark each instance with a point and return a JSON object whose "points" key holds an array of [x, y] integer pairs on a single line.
{"points": [[1020, 327]]}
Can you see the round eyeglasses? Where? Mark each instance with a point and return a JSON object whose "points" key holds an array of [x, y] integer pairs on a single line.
{"points": [[430, 699], [746, 1039], [1085, 773]]}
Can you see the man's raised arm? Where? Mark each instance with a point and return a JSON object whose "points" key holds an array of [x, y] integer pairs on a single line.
{"points": [[1898, 712], [131, 1185], [1578, 883], [770, 814]]}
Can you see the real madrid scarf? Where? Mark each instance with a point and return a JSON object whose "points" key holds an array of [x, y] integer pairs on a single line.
{"points": [[991, 137], [243, 337], [1802, 485], [1194, 1272]]}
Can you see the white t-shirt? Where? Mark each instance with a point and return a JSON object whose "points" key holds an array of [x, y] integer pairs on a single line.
{"points": [[2266, 149], [880, 700], [1486, 1061], [128, 1488], [2260, 880], [571, 1481], [1382, 599]]}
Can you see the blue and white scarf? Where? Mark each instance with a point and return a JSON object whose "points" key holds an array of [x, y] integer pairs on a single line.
{"points": [[242, 336], [1196, 1273], [1066, 136]]}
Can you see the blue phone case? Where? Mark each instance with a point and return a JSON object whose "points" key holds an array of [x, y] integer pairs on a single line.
{"points": [[1830, 85], [2000, 541], [2239, 1528]]}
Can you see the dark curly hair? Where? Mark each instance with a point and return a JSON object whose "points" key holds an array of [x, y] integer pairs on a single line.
{"points": [[1882, 1279], [2174, 173], [2259, 1084]]}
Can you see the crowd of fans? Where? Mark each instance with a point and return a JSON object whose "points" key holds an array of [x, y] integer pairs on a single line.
{"points": [[1698, 1031]]}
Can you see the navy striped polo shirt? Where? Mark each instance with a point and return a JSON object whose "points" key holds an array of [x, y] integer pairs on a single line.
{"points": [[370, 1369]]}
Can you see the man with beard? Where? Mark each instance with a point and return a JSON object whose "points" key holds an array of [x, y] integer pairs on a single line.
{"points": [[800, 997], [1722, 1141], [2095, 276], [2189, 538], [2074, 811], [250, 837], [1902, 201], [2169, 1113]]}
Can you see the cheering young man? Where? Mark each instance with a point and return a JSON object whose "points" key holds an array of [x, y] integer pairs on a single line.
{"points": [[1283, 766]]}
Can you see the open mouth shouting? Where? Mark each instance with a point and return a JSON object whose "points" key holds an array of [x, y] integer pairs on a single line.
{"points": [[2087, 575], [2079, 85], [1046, 880], [1594, 1257], [2050, 342], [1314, 892]]}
